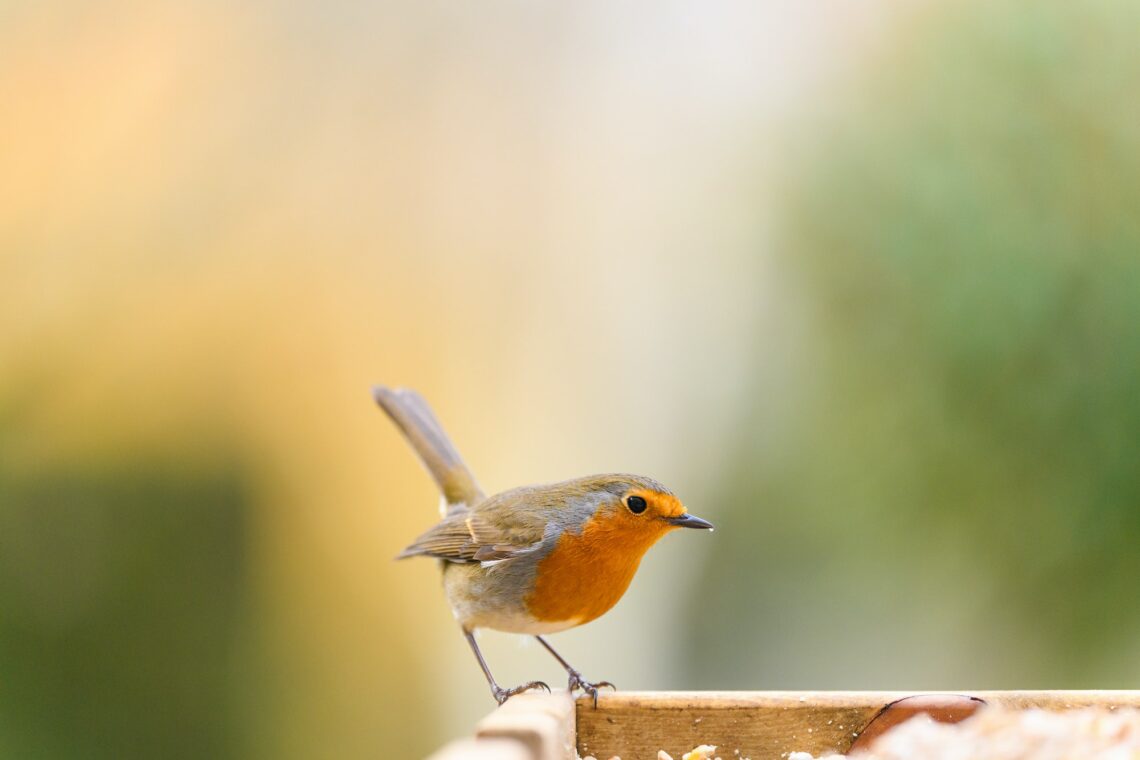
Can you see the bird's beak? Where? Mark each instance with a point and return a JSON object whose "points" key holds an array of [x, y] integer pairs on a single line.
{"points": [[689, 521]]}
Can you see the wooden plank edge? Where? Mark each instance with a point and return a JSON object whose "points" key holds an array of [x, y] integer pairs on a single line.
{"points": [[545, 724], [1062, 698]]}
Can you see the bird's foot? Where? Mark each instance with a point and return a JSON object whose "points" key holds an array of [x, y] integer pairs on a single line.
{"points": [[502, 695], [577, 682]]}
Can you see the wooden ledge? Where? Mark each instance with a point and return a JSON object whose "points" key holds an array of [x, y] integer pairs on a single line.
{"points": [[769, 724], [531, 726], [742, 724]]}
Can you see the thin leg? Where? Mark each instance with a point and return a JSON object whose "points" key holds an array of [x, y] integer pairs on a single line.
{"points": [[501, 695], [576, 680]]}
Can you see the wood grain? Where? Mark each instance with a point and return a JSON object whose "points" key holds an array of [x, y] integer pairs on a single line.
{"points": [[766, 725]]}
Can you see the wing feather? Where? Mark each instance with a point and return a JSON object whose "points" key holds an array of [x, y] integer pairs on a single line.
{"points": [[472, 537]]}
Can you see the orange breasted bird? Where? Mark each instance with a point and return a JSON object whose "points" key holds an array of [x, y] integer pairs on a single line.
{"points": [[537, 559]]}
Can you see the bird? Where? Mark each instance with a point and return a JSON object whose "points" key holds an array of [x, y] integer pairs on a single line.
{"points": [[533, 560]]}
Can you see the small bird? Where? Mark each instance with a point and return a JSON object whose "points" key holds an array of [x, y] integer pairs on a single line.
{"points": [[537, 559]]}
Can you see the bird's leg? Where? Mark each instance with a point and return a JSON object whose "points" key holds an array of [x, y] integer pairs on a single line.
{"points": [[576, 680], [501, 695]]}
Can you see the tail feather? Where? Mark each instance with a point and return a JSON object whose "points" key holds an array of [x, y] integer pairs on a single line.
{"points": [[419, 425]]}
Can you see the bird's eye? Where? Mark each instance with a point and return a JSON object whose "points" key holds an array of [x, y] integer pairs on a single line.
{"points": [[636, 504]]}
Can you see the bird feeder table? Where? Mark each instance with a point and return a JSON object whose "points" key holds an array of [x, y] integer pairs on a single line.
{"points": [[761, 725]]}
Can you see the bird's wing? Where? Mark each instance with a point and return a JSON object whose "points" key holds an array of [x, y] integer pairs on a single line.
{"points": [[476, 537]]}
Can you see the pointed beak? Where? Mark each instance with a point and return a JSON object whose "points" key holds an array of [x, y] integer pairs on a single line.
{"points": [[689, 521]]}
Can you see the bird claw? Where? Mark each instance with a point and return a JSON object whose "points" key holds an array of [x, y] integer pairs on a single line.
{"points": [[502, 695], [577, 682]]}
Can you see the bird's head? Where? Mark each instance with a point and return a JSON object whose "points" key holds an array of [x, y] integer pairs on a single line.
{"points": [[636, 506]]}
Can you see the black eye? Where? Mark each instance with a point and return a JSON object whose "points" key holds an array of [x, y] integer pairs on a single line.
{"points": [[636, 504]]}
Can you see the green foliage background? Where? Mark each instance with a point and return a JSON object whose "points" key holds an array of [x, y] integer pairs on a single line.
{"points": [[956, 498]]}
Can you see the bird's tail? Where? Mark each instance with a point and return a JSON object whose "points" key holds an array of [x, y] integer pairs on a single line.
{"points": [[418, 424]]}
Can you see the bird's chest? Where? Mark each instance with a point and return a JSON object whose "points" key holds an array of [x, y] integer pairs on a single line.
{"points": [[584, 575]]}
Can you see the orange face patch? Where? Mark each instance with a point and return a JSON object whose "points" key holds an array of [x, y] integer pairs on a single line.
{"points": [[588, 572], [659, 504]]}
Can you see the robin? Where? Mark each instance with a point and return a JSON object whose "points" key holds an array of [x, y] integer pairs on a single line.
{"points": [[537, 559]]}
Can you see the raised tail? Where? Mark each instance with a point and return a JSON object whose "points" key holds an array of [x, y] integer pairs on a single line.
{"points": [[418, 424]]}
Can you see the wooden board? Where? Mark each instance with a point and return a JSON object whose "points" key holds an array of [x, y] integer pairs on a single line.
{"points": [[543, 724], [765, 725]]}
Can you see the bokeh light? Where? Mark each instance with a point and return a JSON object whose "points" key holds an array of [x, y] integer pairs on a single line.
{"points": [[859, 283]]}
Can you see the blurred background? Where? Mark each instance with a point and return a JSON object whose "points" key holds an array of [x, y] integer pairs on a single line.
{"points": [[860, 284]]}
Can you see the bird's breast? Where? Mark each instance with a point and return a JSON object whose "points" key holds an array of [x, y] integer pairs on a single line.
{"points": [[587, 572]]}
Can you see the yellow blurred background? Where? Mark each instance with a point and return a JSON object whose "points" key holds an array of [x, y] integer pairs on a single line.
{"points": [[861, 285]]}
